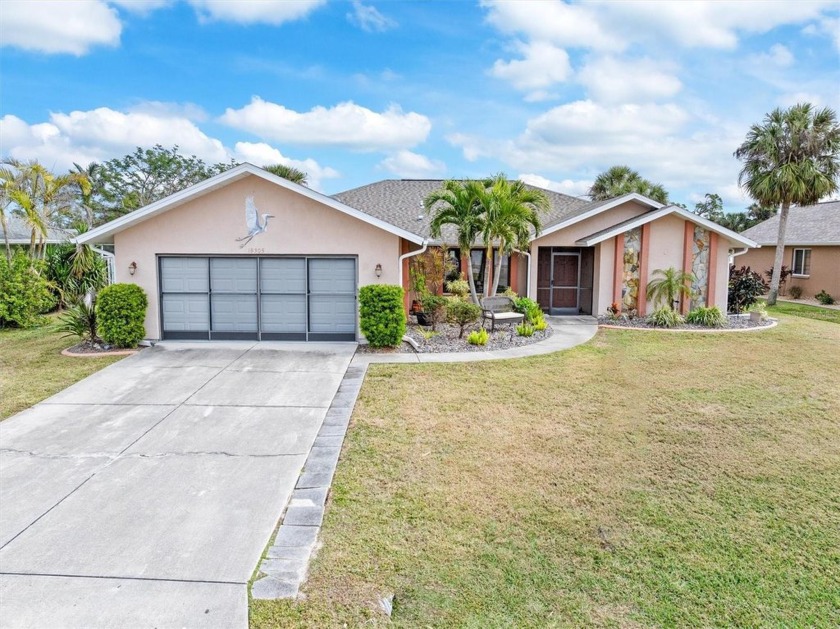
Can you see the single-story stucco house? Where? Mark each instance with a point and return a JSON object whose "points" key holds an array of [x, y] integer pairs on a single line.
{"points": [[812, 248], [298, 278], [18, 232]]}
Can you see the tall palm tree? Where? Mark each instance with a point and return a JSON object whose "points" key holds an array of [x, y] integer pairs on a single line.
{"points": [[792, 158], [288, 172], [457, 203], [512, 211], [620, 180]]}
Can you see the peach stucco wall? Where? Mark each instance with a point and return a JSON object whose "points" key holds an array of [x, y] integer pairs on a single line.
{"points": [[211, 223], [825, 268], [665, 249]]}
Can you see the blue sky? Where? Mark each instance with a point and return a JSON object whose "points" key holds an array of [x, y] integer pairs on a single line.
{"points": [[357, 91]]}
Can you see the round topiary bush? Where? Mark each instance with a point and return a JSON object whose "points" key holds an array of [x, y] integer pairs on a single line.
{"points": [[382, 314], [120, 310]]}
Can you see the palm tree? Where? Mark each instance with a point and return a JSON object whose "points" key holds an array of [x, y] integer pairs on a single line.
{"points": [[88, 182], [512, 211], [457, 203], [620, 180], [288, 172], [41, 198], [792, 158], [670, 286]]}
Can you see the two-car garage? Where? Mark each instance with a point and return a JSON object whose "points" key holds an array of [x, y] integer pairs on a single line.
{"points": [[258, 297]]}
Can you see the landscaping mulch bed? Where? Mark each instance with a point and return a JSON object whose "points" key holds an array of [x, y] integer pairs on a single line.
{"points": [[735, 322], [446, 340], [91, 348]]}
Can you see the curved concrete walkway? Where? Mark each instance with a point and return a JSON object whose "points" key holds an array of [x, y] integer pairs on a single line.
{"points": [[568, 332]]}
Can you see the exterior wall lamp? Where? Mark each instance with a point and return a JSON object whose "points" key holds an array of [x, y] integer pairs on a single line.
{"points": [[378, 270], [132, 268]]}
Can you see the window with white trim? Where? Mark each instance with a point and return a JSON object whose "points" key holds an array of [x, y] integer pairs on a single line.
{"points": [[801, 262]]}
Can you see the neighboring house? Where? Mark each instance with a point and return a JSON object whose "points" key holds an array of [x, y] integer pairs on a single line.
{"points": [[298, 277], [19, 232], [812, 248]]}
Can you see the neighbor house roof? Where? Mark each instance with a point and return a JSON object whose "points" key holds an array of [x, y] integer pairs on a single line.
{"points": [[19, 232], [400, 202], [807, 225], [105, 232], [647, 217]]}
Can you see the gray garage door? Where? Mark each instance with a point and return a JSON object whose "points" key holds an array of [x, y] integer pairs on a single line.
{"points": [[229, 298]]}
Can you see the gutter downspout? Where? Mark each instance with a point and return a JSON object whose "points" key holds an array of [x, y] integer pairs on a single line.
{"points": [[527, 272], [411, 254], [734, 253]]}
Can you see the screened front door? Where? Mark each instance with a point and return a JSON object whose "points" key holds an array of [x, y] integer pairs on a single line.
{"points": [[565, 279]]}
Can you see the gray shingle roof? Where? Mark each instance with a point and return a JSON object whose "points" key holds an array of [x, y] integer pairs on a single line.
{"points": [[807, 225], [400, 202], [19, 231]]}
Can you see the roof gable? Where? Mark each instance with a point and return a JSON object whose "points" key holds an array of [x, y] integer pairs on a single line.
{"points": [[648, 217], [104, 232]]}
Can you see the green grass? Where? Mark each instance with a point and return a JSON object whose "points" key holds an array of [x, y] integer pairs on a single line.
{"points": [[804, 310], [32, 367], [640, 480]]}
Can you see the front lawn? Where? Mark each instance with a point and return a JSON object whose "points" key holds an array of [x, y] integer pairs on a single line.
{"points": [[642, 479], [32, 367], [804, 310]]}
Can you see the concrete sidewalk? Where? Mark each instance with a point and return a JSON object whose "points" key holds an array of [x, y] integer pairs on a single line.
{"points": [[568, 332], [144, 495]]}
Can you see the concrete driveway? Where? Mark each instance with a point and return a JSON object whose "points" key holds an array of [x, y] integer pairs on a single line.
{"points": [[144, 495]]}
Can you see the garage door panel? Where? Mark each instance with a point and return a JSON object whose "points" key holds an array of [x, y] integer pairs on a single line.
{"points": [[234, 313], [184, 275], [283, 313], [233, 275], [332, 313], [328, 275], [186, 312], [283, 275]]}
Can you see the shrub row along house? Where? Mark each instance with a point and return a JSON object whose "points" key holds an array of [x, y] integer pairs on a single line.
{"points": [[249, 255], [812, 248]]}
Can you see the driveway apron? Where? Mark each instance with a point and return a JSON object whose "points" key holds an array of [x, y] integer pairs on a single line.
{"points": [[144, 495]]}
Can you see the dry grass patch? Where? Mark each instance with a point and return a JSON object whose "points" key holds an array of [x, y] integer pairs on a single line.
{"points": [[639, 480], [32, 367]]}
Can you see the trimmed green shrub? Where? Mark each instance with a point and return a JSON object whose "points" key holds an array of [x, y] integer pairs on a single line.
{"points": [[710, 317], [795, 292], [24, 291], [478, 337], [382, 314], [664, 317], [434, 306], [824, 298], [120, 310], [529, 308], [461, 313], [525, 329], [459, 288]]}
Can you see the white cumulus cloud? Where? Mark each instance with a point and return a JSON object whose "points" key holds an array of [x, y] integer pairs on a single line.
{"points": [[262, 154], [413, 165], [542, 65], [346, 125], [254, 11], [613, 79], [58, 27], [574, 188]]}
